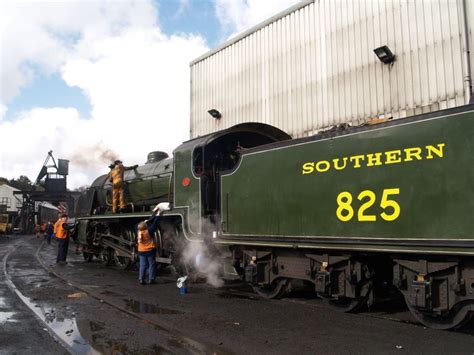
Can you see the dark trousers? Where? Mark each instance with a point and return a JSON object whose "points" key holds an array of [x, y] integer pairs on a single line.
{"points": [[63, 244], [147, 259]]}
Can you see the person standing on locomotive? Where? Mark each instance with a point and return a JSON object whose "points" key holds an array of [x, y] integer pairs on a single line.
{"points": [[116, 178]]}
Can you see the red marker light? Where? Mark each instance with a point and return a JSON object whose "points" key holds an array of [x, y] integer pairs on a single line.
{"points": [[186, 181]]}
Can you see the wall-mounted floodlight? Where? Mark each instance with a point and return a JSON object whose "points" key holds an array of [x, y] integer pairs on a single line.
{"points": [[384, 54], [214, 113]]}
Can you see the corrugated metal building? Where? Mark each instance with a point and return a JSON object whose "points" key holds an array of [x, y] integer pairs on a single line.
{"points": [[313, 66], [8, 201]]}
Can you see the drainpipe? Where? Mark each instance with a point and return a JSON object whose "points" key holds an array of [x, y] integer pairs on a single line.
{"points": [[466, 53]]}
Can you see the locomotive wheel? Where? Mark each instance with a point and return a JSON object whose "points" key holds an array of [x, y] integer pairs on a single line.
{"points": [[122, 262], [276, 289], [105, 256], [125, 262], [346, 305], [456, 318], [87, 256]]}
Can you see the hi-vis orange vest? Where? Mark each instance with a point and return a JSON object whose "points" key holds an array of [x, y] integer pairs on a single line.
{"points": [[59, 230], [145, 242], [116, 176]]}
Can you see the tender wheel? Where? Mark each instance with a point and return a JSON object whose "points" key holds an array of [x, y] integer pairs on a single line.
{"points": [[276, 289], [345, 304], [456, 318]]}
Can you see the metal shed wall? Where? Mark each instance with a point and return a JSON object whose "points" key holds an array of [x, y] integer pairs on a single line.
{"points": [[313, 66]]}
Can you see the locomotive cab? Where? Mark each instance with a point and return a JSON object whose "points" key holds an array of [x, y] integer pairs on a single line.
{"points": [[210, 156]]}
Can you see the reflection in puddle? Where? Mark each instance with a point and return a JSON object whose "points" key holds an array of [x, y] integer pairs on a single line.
{"points": [[98, 336], [65, 328], [7, 317], [239, 296], [4, 315], [141, 307]]}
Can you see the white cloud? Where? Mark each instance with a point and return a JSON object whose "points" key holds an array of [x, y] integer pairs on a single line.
{"points": [[3, 111], [136, 78], [43, 35], [239, 15]]}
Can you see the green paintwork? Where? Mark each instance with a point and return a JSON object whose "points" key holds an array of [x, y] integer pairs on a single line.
{"points": [[81, 235], [269, 196], [187, 198], [145, 185]]}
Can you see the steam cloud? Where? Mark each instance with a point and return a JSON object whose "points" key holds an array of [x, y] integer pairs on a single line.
{"points": [[94, 156], [202, 259], [198, 256]]}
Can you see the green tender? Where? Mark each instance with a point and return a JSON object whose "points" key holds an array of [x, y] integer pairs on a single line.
{"points": [[268, 197]]}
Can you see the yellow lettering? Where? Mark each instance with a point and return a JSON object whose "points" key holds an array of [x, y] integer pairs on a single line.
{"points": [[393, 156], [308, 168], [431, 149], [412, 152], [336, 163], [321, 169], [356, 159], [374, 159]]}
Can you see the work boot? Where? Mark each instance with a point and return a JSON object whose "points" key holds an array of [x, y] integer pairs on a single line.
{"points": [[142, 282], [152, 282]]}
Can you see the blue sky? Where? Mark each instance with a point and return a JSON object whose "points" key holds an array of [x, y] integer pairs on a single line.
{"points": [[84, 77], [174, 17]]}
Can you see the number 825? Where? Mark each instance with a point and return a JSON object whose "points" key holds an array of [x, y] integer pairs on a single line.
{"points": [[345, 211]]}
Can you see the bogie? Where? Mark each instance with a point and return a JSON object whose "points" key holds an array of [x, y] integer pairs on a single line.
{"points": [[437, 293]]}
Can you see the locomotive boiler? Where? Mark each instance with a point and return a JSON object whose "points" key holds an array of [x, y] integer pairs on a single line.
{"points": [[354, 213], [111, 237]]}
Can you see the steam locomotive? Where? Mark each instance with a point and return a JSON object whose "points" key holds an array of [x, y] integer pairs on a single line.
{"points": [[352, 212]]}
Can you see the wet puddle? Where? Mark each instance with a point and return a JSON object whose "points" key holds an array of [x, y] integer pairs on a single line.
{"points": [[239, 296], [110, 293], [141, 307], [64, 327], [5, 316]]}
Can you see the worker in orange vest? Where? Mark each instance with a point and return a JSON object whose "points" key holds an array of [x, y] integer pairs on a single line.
{"points": [[116, 178], [147, 244], [62, 230], [36, 230], [147, 249]]}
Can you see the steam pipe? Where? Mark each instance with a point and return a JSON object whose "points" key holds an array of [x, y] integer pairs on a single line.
{"points": [[466, 53]]}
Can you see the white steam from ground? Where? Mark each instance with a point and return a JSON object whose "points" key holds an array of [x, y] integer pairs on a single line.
{"points": [[198, 256], [203, 258]]}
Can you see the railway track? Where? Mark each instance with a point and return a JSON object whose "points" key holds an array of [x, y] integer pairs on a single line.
{"points": [[233, 313], [181, 342]]}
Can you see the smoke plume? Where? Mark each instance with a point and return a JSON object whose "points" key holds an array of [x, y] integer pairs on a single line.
{"points": [[96, 155]]}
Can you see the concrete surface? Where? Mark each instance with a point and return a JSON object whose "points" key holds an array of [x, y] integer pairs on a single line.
{"points": [[109, 312]]}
